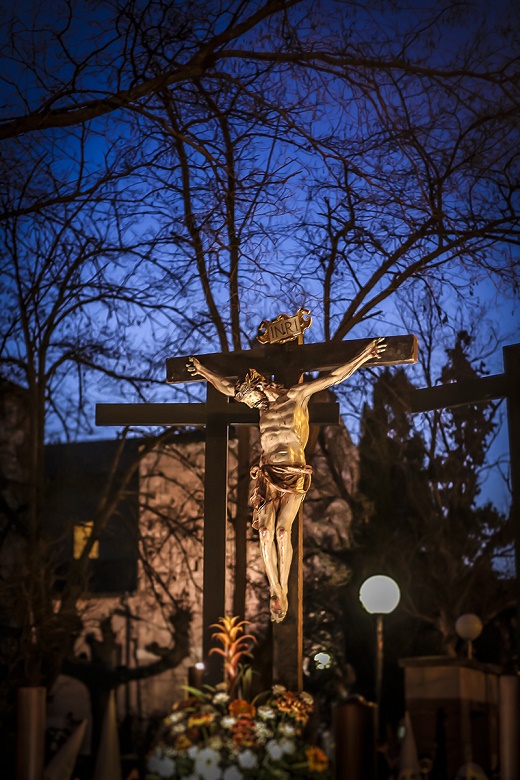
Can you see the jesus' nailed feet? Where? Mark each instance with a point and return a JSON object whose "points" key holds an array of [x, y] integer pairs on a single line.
{"points": [[278, 606]]}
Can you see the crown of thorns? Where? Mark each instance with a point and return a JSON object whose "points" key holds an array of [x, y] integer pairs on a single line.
{"points": [[252, 381]]}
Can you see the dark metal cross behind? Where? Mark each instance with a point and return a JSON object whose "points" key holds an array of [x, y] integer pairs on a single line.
{"points": [[286, 364], [482, 390]]}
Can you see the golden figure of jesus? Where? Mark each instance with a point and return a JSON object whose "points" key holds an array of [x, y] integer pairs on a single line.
{"points": [[282, 478]]}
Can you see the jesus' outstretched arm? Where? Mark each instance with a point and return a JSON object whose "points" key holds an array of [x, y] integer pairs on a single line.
{"points": [[221, 383], [373, 350]]}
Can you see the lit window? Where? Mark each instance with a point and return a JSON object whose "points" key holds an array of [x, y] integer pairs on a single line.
{"points": [[82, 534]]}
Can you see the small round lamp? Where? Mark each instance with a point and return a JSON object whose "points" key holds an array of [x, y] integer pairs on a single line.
{"points": [[469, 627]]}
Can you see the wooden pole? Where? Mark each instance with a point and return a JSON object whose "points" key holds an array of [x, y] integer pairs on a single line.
{"points": [[215, 522], [354, 728], [31, 733], [241, 519], [288, 635]]}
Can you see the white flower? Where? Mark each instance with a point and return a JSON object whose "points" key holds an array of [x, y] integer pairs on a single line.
{"points": [[247, 759], [232, 773], [206, 764], [178, 728], [221, 698], [274, 750], [176, 717], [215, 743], [227, 721], [287, 746], [306, 697], [161, 765], [262, 732], [193, 752], [279, 689], [267, 713], [287, 730]]}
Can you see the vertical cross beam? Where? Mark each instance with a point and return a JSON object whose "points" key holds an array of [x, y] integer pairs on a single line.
{"points": [[241, 519], [288, 635], [215, 522]]}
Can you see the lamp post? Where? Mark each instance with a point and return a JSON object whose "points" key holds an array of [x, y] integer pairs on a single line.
{"points": [[469, 628], [379, 595]]}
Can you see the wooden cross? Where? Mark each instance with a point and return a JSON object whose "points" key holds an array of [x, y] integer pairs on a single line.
{"points": [[474, 391], [286, 363]]}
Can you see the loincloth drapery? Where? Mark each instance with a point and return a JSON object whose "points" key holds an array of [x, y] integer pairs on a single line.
{"points": [[283, 478]]}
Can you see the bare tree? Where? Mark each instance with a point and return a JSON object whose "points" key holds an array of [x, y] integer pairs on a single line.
{"points": [[373, 142], [72, 292]]}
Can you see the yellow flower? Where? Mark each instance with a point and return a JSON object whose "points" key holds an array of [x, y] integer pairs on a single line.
{"points": [[200, 719], [318, 761], [182, 742]]}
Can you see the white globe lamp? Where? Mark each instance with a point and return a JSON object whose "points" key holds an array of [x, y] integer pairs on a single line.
{"points": [[379, 595]]}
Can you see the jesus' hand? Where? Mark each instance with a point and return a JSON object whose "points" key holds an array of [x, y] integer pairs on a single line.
{"points": [[376, 348], [194, 366]]}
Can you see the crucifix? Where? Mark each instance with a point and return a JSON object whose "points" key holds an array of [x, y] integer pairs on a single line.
{"points": [[283, 362]]}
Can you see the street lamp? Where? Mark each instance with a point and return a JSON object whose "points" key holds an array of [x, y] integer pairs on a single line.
{"points": [[469, 628], [379, 595]]}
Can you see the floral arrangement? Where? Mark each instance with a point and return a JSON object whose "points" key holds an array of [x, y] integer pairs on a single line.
{"points": [[210, 736], [216, 734]]}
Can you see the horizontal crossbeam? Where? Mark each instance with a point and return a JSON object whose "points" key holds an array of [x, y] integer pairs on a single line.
{"points": [[300, 358], [470, 391], [195, 414]]}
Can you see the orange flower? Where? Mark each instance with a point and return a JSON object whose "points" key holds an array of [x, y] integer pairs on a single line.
{"points": [[318, 761], [241, 708], [292, 705], [243, 733], [286, 702]]}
